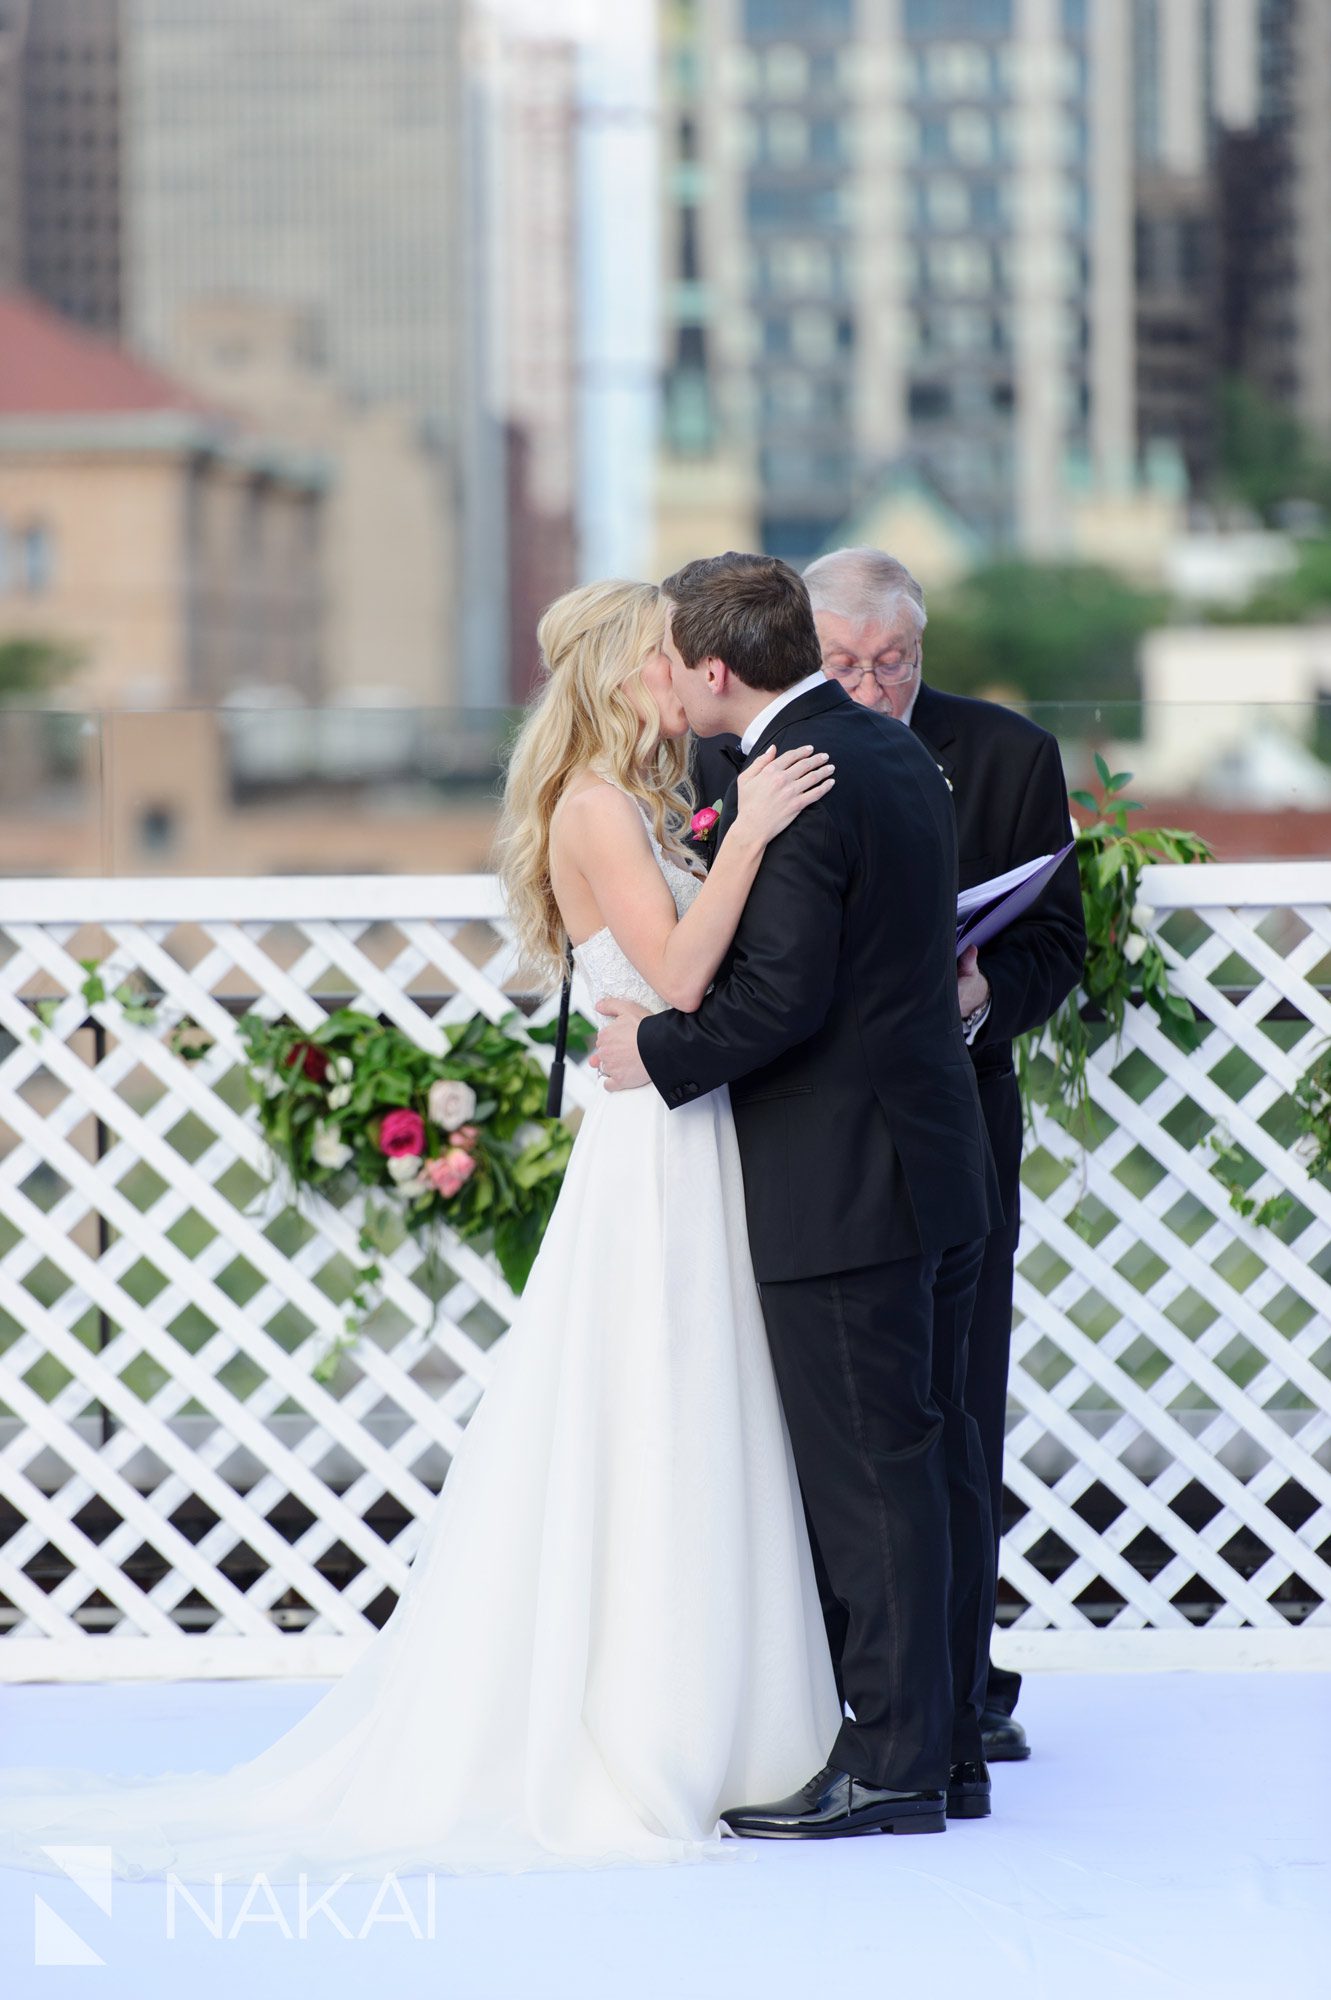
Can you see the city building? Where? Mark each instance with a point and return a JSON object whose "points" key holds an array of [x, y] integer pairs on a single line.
{"points": [[178, 555], [954, 236], [11, 143], [1277, 185], [307, 153], [706, 496], [386, 511], [535, 240], [314, 155], [61, 206]]}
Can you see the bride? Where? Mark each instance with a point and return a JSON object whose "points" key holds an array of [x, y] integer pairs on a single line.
{"points": [[610, 1630]]}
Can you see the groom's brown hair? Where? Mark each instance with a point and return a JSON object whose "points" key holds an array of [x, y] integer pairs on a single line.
{"points": [[752, 612]]}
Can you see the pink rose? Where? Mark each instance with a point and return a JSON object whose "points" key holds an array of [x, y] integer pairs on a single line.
{"points": [[401, 1132], [703, 820], [466, 1135], [450, 1173]]}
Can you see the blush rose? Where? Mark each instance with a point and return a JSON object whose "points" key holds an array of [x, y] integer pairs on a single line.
{"points": [[452, 1170], [451, 1102]]}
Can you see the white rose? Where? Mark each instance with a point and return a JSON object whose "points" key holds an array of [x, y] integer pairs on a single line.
{"points": [[451, 1103], [527, 1135], [328, 1149], [1135, 948], [270, 1080], [404, 1166], [343, 1068], [1142, 914], [339, 1095]]}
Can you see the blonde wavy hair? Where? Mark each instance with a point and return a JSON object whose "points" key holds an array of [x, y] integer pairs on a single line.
{"points": [[590, 709]]}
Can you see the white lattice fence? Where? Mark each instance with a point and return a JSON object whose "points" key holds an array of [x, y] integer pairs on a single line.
{"points": [[1170, 1375], [178, 1495], [194, 1310]]}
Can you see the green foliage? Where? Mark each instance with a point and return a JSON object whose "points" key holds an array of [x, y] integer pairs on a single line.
{"points": [[1267, 456], [1054, 631], [1122, 956], [29, 663], [1302, 595], [581, 1034], [1123, 960], [1232, 1163], [1312, 1094]]}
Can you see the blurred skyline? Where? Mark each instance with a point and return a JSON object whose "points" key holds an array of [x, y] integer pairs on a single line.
{"points": [[337, 339]]}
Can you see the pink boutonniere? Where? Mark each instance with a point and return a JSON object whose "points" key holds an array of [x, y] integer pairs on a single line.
{"points": [[703, 825]]}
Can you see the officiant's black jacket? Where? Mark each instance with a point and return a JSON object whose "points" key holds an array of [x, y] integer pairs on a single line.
{"points": [[834, 1016], [1011, 805]]}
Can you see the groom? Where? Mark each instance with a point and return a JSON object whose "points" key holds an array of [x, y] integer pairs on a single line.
{"points": [[835, 1021]]}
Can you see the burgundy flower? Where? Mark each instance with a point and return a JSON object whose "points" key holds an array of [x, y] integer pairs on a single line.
{"points": [[315, 1064], [401, 1132]]}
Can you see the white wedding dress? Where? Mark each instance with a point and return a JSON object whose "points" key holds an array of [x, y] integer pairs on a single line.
{"points": [[610, 1630]]}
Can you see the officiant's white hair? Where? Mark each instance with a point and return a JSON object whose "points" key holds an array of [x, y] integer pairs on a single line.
{"points": [[863, 583]]}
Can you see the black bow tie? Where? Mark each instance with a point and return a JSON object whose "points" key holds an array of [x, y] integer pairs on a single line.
{"points": [[733, 755]]}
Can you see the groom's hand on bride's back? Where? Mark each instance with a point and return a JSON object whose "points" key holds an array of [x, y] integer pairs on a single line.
{"points": [[616, 1052]]}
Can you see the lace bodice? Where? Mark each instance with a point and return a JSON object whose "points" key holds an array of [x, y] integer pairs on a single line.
{"points": [[604, 966]]}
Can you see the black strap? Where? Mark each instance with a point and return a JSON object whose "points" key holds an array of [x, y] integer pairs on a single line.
{"points": [[554, 1097]]}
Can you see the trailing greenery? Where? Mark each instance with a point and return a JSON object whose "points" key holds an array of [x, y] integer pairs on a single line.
{"points": [[1124, 959], [1230, 1161], [1122, 956], [1312, 1094]]}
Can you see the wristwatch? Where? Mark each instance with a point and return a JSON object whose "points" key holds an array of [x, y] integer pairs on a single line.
{"points": [[971, 1023]]}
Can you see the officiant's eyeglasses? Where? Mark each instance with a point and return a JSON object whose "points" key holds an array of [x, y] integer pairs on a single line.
{"points": [[885, 674]]}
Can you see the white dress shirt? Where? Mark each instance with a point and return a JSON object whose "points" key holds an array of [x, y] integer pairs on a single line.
{"points": [[775, 706]]}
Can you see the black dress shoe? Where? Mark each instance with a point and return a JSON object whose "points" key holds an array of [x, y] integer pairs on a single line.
{"points": [[969, 1792], [1003, 1737], [835, 1803]]}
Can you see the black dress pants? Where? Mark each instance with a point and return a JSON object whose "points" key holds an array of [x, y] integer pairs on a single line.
{"points": [[990, 1342], [854, 1357], [972, 1542]]}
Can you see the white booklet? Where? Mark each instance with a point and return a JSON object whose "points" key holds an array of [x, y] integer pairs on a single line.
{"points": [[988, 908]]}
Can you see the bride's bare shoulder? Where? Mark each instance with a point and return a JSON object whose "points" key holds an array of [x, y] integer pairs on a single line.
{"points": [[590, 807]]}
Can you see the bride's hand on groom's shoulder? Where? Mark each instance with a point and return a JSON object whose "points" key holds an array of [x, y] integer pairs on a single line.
{"points": [[616, 1052], [774, 790]]}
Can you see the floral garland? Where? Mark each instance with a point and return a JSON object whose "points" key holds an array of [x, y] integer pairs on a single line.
{"points": [[459, 1139]]}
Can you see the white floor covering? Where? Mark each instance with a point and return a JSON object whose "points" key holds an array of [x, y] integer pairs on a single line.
{"points": [[1170, 1836]]}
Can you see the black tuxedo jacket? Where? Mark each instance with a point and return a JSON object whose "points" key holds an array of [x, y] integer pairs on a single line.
{"points": [[1011, 805], [834, 1016]]}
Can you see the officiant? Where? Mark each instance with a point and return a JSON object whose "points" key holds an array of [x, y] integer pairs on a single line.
{"points": [[1011, 802]]}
